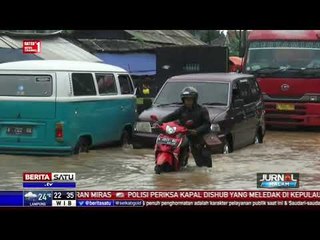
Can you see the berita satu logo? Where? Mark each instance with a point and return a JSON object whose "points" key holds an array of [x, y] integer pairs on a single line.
{"points": [[31, 46]]}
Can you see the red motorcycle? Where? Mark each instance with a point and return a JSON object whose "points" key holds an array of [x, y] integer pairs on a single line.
{"points": [[169, 154]]}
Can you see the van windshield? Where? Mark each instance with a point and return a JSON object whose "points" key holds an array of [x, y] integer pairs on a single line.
{"points": [[26, 85], [210, 93]]}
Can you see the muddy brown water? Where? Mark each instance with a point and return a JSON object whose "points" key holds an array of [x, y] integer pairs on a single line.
{"points": [[131, 169]]}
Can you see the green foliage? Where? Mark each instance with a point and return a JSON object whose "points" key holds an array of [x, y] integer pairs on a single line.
{"points": [[234, 47]]}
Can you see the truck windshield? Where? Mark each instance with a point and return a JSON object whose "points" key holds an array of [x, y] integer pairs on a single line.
{"points": [[270, 57], [210, 93]]}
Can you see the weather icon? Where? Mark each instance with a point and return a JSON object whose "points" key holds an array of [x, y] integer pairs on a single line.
{"points": [[30, 195]]}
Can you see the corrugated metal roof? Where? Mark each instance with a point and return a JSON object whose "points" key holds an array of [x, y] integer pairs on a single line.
{"points": [[12, 55], [4, 45], [176, 37], [114, 45], [53, 48]]}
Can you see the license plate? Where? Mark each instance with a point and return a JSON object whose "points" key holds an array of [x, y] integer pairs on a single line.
{"points": [[285, 107], [167, 141], [19, 130]]}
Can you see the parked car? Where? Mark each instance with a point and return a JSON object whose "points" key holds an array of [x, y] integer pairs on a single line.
{"points": [[64, 107], [234, 102]]}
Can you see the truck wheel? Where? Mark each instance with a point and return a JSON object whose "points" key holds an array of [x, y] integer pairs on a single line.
{"points": [[81, 146]]}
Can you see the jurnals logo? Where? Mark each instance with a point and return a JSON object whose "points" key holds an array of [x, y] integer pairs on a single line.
{"points": [[277, 180], [285, 87]]}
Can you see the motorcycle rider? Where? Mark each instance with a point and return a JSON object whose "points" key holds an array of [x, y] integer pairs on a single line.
{"points": [[199, 116]]}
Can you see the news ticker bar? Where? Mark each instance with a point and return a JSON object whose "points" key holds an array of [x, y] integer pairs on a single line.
{"points": [[70, 198]]}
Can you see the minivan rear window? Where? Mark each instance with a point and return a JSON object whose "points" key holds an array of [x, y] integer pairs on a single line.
{"points": [[210, 93], [25, 85]]}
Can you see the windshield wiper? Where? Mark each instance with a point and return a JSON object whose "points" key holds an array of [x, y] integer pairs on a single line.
{"points": [[262, 69], [166, 104], [311, 70], [275, 69], [214, 103]]}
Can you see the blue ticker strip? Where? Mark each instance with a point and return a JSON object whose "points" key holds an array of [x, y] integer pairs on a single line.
{"points": [[11, 199], [49, 185]]}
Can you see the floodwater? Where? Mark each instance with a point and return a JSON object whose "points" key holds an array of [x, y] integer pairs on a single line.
{"points": [[131, 169]]}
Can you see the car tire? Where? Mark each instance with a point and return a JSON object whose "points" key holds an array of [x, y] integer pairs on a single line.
{"points": [[226, 149], [125, 138], [81, 146], [258, 139], [136, 145]]}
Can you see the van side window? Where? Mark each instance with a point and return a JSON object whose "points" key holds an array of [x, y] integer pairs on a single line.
{"points": [[125, 84], [245, 91], [83, 84], [106, 84]]}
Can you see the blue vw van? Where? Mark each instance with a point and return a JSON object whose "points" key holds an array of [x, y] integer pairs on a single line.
{"points": [[63, 107]]}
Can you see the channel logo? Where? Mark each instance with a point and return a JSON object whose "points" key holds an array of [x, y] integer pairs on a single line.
{"points": [[277, 180]]}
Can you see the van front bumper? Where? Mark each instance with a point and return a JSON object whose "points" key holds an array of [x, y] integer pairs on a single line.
{"points": [[35, 150]]}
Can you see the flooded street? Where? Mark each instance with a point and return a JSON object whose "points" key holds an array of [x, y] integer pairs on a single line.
{"points": [[129, 169]]}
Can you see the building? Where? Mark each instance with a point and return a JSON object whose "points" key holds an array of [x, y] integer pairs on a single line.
{"points": [[133, 50], [53, 47]]}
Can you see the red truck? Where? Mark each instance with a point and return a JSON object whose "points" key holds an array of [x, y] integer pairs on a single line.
{"points": [[287, 66]]}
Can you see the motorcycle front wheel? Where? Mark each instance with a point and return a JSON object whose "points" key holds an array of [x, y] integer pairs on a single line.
{"points": [[157, 169]]}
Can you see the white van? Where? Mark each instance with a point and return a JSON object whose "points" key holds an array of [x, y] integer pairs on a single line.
{"points": [[63, 107]]}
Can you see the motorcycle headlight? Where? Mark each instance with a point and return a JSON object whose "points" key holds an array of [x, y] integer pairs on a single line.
{"points": [[215, 127], [143, 127], [170, 130]]}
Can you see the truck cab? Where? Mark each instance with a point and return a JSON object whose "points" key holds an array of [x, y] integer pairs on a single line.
{"points": [[287, 67]]}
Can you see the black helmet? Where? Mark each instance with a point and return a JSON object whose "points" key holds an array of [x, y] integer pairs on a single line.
{"points": [[189, 92]]}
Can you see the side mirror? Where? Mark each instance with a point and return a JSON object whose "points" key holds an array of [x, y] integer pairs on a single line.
{"points": [[154, 118], [238, 103]]}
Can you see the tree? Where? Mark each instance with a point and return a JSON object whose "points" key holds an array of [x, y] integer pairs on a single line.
{"points": [[209, 35], [236, 37]]}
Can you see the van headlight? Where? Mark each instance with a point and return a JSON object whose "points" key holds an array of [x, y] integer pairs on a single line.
{"points": [[215, 127], [143, 127]]}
